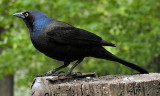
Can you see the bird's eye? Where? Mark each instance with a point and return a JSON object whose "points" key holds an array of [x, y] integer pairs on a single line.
{"points": [[26, 14]]}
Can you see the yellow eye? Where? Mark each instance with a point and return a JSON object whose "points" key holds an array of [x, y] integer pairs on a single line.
{"points": [[26, 14]]}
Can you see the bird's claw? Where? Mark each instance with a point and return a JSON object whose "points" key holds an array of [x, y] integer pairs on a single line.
{"points": [[77, 73], [51, 73], [39, 75], [63, 74], [46, 74]]}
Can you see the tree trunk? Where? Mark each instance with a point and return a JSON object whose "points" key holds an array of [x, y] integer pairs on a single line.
{"points": [[111, 85], [6, 83], [6, 86]]}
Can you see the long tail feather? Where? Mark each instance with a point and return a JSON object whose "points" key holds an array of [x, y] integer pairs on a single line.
{"points": [[104, 54]]}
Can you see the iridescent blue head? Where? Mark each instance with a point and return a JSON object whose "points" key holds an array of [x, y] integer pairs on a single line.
{"points": [[35, 20]]}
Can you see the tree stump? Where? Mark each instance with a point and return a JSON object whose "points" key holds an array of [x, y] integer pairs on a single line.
{"points": [[91, 85]]}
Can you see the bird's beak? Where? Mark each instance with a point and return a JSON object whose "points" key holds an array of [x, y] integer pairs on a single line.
{"points": [[19, 15]]}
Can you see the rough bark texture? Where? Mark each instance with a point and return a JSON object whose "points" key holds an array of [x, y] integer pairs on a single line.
{"points": [[111, 85], [6, 86]]}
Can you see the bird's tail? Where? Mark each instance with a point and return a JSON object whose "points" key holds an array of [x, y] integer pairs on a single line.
{"points": [[105, 43], [104, 54]]}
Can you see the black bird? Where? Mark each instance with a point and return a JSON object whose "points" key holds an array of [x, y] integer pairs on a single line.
{"points": [[64, 42]]}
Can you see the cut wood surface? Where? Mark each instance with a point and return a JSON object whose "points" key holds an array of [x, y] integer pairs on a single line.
{"points": [[88, 84]]}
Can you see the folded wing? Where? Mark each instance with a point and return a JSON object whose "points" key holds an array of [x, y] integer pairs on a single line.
{"points": [[63, 33]]}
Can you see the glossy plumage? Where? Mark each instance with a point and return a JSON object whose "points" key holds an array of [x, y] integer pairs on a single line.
{"points": [[64, 42]]}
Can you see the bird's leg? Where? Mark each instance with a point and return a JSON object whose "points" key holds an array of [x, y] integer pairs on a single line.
{"points": [[56, 69], [51, 72], [70, 70]]}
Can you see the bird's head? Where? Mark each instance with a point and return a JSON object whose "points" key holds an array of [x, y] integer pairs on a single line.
{"points": [[29, 17]]}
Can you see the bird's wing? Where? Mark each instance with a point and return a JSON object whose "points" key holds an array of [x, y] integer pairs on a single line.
{"points": [[64, 33]]}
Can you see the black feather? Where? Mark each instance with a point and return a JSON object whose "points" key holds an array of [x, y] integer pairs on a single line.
{"points": [[64, 42]]}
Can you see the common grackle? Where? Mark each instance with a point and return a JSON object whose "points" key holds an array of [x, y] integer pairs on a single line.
{"points": [[64, 42]]}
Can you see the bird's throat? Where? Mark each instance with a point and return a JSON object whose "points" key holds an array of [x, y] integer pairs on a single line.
{"points": [[29, 25]]}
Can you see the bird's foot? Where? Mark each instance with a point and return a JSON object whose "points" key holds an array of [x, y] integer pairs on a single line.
{"points": [[77, 73], [69, 74], [64, 74], [43, 75], [39, 75], [50, 73]]}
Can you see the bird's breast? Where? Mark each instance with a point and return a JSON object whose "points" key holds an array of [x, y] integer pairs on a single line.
{"points": [[37, 40], [57, 51]]}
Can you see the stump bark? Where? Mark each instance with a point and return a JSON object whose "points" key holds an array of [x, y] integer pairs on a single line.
{"points": [[111, 85]]}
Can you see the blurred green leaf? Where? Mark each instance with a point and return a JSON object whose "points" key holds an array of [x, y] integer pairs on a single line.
{"points": [[133, 25]]}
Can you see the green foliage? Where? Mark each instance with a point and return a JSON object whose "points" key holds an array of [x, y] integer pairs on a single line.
{"points": [[133, 25]]}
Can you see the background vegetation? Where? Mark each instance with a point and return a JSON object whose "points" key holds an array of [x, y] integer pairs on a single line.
{"points": [[133, 25]]}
